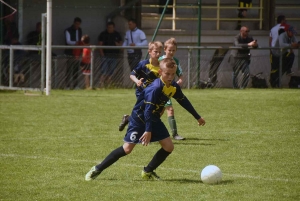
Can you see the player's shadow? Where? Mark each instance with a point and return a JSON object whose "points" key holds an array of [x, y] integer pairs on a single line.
{"points": [[193, 143], [205, 143], [217, 139], [224, 182]]}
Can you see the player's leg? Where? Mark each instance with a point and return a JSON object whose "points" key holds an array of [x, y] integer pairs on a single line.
{"points": [[109, 160], [172, 121], [160, 133]]}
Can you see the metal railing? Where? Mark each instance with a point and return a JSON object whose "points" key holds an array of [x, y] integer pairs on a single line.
{"points": [[186, 54], [218, 7]]}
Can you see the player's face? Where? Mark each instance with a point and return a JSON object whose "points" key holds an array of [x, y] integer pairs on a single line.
{"points": [[155, 53], [167, 75], [170, 51]]}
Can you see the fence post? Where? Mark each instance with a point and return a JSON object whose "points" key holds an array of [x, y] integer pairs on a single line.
{"points": [[92, 68], [280, 69], [189, 68], [43, 52], [0, 66], [11, 66]]}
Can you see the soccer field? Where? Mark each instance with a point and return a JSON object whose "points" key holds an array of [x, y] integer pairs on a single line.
{"points": [[48, 144]]}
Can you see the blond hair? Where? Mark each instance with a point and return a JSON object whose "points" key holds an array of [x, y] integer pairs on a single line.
{"points": [[167, 63], [170, 41], [155, 44]]}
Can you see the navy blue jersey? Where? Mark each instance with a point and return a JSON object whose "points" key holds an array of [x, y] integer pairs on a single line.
{"points": [[152, 100], [145, 70]]}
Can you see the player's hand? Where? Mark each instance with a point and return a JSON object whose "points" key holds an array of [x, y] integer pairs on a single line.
{"points": [[145, 139], [201, 122], [139, 82], [179, 82]]}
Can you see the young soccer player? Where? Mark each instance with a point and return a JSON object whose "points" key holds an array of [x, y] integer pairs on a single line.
{"points": [[145, 73], [170, 48], [145, 125]]}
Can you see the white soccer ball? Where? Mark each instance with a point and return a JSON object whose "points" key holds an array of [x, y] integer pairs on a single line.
{"points": [[211, 174]]}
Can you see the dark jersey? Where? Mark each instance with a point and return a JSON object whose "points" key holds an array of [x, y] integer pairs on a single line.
{"points": [[152, 100], [147, 71], [109, 39]]}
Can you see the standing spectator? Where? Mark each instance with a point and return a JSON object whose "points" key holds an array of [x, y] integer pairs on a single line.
{"points": [[109, 37], [275, 30], [285, 40], [134, 37], [242, 12], [240, 58], [73, 36], [85, 64]]}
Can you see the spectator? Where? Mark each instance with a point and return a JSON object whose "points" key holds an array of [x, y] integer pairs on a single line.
{"points": [[285, 40], [109, 37], [242, 13], [275, 30], [240, 58], [73, 36], [134, 37], [85, 64]]}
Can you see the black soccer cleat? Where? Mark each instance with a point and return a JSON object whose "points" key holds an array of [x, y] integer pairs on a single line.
{"points": [[125, 121]]}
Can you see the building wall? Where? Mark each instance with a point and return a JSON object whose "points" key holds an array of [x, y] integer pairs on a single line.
{"points": [[91, 12]]}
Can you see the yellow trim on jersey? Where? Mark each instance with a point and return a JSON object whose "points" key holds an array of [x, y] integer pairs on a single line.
{"points": [[168, 91], [153, 68]]}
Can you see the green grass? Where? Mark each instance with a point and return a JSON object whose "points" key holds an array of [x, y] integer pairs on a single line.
{"points": [[48, 144]]}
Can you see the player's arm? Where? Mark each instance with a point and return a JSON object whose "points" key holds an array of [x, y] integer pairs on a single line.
{"points": [[135, 74], [179, 72], [138, 82], [186, 104]]}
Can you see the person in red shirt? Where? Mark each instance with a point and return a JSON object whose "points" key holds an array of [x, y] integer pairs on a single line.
{"points": [[85, 64]]}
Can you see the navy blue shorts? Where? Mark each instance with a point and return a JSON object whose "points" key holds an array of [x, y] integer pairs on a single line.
{"points": [[136, 130]]}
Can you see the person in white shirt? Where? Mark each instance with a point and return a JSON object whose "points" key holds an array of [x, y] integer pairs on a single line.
{"points": [[274, 31], [134, 37]]}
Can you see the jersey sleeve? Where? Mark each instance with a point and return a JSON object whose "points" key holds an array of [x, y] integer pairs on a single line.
{"points": [[137, 70], [185, 103]]}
